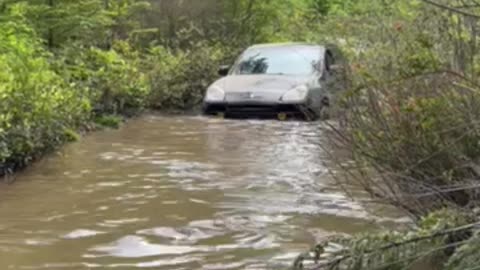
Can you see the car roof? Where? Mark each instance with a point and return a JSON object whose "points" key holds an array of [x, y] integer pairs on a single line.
{"points": [[285, 45]]}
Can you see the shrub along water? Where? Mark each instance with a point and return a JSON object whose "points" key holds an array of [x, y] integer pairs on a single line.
{"points": [[179, 78], [39, 110], [111, 79], [66, 64], [410, 124], [414, 138]]}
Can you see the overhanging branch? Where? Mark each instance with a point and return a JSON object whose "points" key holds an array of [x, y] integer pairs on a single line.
{"points": [[452, 9]]}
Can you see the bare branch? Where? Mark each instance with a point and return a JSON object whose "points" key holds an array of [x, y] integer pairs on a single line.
{"points": [[452, 9]]}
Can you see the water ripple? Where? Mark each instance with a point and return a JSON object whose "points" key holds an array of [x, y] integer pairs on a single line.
{"points": [[178, 193]]}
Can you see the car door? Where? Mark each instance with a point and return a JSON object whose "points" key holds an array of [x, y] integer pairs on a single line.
{"points": [[328, 79], [336, 76]]}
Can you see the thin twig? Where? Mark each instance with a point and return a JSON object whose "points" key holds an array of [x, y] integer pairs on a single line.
{"points": [[455, 10]]}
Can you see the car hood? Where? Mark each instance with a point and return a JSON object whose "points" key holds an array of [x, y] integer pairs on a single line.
{"points": [[264, 87]]}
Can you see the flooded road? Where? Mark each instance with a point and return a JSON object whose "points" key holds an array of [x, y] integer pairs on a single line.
{"points": [[176, 193]]}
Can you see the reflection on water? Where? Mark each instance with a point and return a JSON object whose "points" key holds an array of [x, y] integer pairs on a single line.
{"points": [[176, 193]]}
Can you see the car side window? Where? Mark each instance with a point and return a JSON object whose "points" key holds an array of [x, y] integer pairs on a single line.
{"points": [[329, 61]]}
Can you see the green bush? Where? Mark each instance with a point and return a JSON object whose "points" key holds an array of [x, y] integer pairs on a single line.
{"points": [[416, 141], [430, 245], [38, 107], [114, 81], [179, 78]]}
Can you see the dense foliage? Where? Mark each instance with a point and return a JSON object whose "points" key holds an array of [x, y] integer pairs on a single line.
{"points": [[410, 124], [178, 78], [38, 108], [67, 63], [409, 121], [428, 246]]}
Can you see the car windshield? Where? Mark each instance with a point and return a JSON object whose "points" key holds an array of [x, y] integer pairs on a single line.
{"points": [[293, 60]]}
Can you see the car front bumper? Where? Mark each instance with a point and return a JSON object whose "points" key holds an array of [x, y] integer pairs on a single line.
{"points": [[256, 110]]}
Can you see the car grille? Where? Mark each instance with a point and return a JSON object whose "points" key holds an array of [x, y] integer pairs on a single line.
{"points": [[245, 96], [255, 111]]}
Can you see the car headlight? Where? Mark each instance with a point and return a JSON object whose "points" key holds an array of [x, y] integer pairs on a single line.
{"points": [[215, 93], [297, 94]]}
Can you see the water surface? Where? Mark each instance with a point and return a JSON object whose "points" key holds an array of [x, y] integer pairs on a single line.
{"points": [[176, 193]]}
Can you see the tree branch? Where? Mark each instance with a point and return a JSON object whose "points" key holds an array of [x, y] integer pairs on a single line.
{"points": [[455, 10]]}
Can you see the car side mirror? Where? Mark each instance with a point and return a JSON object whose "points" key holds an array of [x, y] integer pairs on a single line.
{"points": [[223, 70]]}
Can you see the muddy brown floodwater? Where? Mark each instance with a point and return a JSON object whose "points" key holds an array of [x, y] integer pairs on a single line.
{"points": [[176, 193]]}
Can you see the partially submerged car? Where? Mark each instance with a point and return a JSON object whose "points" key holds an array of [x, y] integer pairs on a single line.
{"points": [[276, 80]]}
